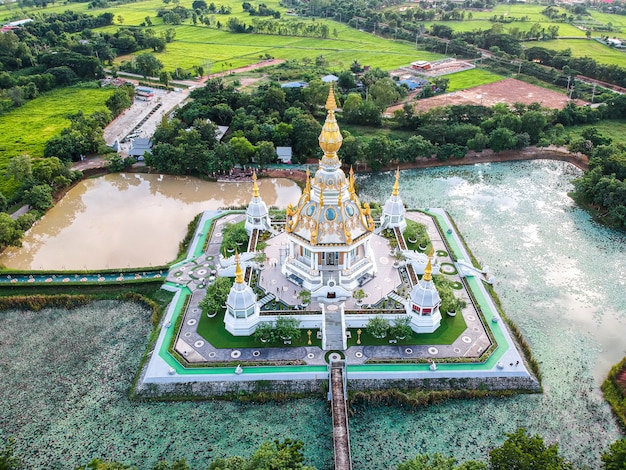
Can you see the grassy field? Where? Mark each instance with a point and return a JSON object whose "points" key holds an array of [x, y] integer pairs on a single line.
{"points": [[25, 130], [589, 48], [200, 45], [618, 21], [471, 78], [613, 129]]}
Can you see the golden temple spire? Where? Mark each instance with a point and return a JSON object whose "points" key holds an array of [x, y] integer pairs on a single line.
{"points": [[331, 103], [255, 188], [432, 252], [396, 185], [238, 271], [330, 138], [428, 272]]}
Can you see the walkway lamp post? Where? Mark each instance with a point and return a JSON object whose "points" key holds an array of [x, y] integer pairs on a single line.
{"points": [[358, 337]]}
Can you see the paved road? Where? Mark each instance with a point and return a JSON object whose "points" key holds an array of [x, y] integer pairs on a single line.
{"points": [[126, 122]]}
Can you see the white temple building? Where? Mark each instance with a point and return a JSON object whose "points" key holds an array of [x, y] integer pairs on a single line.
{"points": [[329, 247], [329, 231], [242, 309], [424, 303], [393, 210], [257, 215]]}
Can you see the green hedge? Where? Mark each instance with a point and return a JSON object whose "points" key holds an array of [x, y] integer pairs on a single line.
{"points": [[39, 302]]}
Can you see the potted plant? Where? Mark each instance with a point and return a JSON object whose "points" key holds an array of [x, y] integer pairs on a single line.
{"points": [[287, 328], [401, 328], [304, 296], [411, 233], [264, 332], [359, 295], [378, 327], [456, 305]]}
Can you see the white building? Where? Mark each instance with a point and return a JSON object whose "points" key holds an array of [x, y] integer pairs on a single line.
{"points": [[329, 230]]}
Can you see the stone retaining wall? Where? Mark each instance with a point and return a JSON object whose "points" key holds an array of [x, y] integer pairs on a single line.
{"points": [[198, 390]]}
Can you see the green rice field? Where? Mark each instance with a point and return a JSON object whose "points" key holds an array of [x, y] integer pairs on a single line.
{"points": [[588, 48], [25, 130], [196, 45]]}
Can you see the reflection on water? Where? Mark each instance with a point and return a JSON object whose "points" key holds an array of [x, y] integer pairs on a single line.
{"points": [[560, 277], [130, 220]]}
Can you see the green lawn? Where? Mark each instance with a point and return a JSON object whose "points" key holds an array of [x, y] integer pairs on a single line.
{"points": [[213, 330], [589, 48], [25, 130], [471, 78], [451, 328]]}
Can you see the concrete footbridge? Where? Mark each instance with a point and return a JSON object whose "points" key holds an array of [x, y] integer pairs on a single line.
{"points": [[338, 398]]}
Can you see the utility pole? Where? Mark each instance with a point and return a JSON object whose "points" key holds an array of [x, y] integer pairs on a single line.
{"points": [[570, 89], [593, 93]]}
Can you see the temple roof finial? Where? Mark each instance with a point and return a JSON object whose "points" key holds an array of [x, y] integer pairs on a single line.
{"points": [[396, 185], [238, 271], [428, 272], [330, 138], [255, 187]]}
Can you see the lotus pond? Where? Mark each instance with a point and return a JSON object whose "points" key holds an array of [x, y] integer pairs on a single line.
{"points": [[65, 375]]}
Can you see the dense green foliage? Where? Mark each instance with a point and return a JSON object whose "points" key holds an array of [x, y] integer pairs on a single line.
{"points": [[603, 186], [8, 461], [615, 457], [523, 452], [439, 462], [614, 391], [216, 295]]}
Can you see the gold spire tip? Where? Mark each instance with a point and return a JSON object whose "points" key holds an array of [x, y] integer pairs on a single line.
{"points": [[255, 187], [396, 185], [331, 103], [428, 271], [238, 271]]}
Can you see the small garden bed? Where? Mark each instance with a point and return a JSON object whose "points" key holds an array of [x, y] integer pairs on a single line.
{"points": [[214, 331], [451, 328]]}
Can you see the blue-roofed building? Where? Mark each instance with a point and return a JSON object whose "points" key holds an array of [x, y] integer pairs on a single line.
{"points": [[414, 83], [295, 85]]}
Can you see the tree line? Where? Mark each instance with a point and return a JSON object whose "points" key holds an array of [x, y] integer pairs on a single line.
{"points": [[60, 49], [519, 451]]}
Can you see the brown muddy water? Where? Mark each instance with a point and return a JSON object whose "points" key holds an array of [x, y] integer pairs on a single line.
{"points": [[130, 220]]}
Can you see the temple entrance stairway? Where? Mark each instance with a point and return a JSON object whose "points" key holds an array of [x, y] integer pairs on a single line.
{"points": [[334, 330]]}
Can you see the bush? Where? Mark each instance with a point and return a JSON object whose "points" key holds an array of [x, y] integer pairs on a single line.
{"points": [[264, 332], [235, 236], [287, 328], [401, 328], [378, 327]]}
